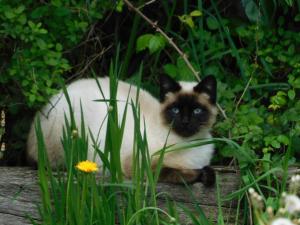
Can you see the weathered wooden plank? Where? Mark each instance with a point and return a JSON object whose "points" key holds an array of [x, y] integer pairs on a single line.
{"points": [[19, 196]]}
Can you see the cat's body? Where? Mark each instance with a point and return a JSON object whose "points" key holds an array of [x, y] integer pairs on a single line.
{"points": [[153, 112]]}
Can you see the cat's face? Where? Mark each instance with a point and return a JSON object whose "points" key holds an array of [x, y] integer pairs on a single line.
{"points": [[188, 107]]}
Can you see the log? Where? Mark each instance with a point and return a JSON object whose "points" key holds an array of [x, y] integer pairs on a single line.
{"points": [[20, 196]]}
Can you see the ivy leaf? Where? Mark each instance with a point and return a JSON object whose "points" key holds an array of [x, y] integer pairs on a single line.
{"points": [[143, 42]]}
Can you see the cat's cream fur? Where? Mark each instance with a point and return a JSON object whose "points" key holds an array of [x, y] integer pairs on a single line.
{"points": [[86, 91]]}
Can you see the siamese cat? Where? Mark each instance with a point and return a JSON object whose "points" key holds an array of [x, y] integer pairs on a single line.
{"points": [[185, 111]]}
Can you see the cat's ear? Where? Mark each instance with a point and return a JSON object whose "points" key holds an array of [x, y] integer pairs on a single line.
{"points": [[208, 86], [167, 84]]}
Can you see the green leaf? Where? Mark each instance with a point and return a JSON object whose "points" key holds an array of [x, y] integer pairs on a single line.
{"points": [[9, 14], [269, 59], [41, 43], [20, 9], [156, 43], [58, 47], [283, 139], [183, 70], [39, 12], [291, 49], [188, 20], [143, 42], [120, 5], [32, 98], [291, 94], [296, 83], [51, 62], [22, 19], [252, 11], [212, 23], [196, 13], [171, 70], [275, 144], [297, 18]]}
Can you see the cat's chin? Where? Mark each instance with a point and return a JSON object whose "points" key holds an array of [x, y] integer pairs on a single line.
{"points": [[185, 132]]}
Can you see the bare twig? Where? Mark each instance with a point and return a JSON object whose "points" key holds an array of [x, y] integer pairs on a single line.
{"points": [[244, 92], [172, 43], [146, 4]]}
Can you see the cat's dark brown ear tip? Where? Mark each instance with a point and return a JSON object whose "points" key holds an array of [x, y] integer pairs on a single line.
{"points": [[209, 86], [207, 176], [167, 84]]}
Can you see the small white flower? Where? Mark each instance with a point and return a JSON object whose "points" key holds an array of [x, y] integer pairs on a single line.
{"points": [[295, 178], [282, 221], [292, 203]]}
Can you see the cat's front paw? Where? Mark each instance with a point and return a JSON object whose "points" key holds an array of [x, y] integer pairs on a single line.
{"points": [[207, 176]]}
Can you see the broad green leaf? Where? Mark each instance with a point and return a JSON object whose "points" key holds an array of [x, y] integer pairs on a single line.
{"points": [[156, 43], [291, 94], [252, 11], [58, 47], [9, 14], [41, 43], [143, 42], [188, 20], [20, 9], [275, 144], [212, 23], [283, 139], [171, 70]]}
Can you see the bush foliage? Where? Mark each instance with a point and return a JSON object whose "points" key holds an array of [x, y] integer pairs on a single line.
{"points": [[254, 53]]}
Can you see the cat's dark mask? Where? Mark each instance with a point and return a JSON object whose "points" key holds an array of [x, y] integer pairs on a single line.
{"points": [[208, 86], [188, 108]]}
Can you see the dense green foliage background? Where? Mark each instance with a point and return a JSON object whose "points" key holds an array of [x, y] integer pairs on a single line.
{"points": [[252, 47]]}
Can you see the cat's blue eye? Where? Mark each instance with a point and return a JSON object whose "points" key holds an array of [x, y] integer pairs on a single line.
{"points": [[197, 111], [175, 110]]}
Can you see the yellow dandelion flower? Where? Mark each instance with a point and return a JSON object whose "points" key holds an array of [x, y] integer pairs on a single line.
{"points": [[87, 166]]}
